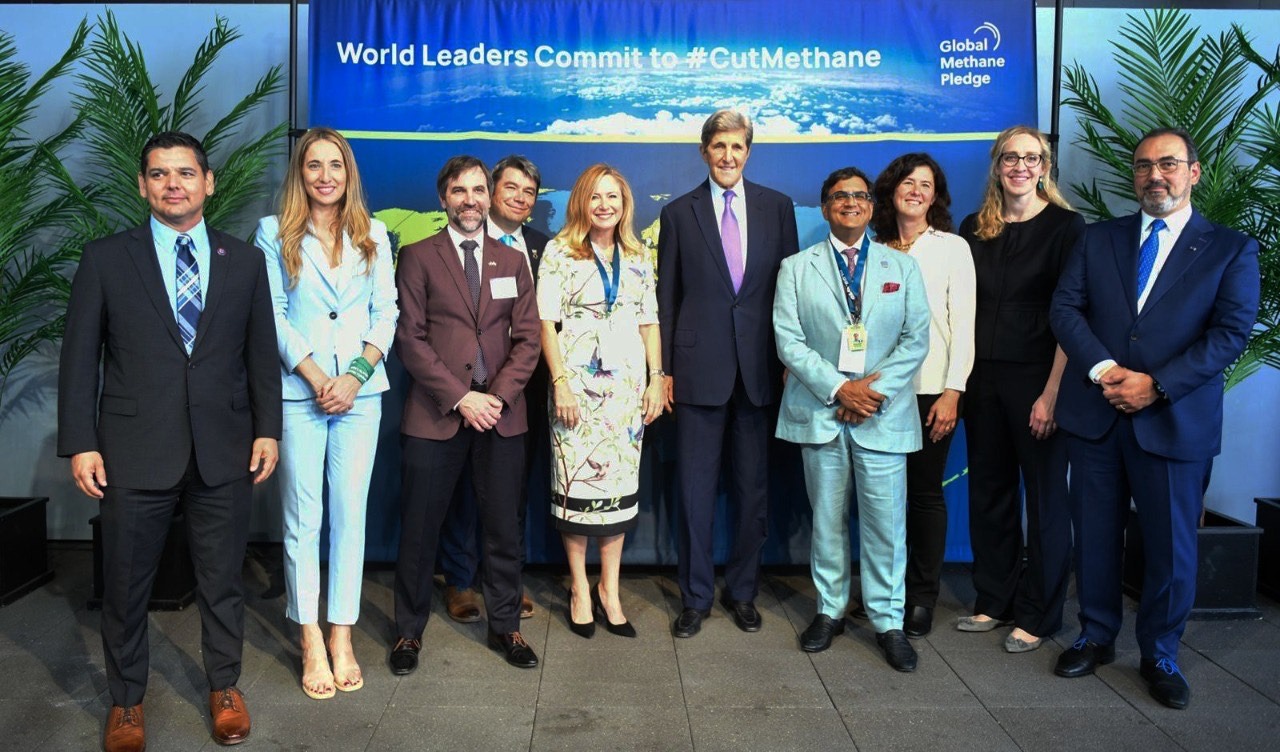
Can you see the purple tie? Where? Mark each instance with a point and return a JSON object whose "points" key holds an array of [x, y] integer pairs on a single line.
{"points": [[732, 241]]}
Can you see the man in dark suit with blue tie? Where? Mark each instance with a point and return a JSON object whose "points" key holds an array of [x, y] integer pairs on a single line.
{"points": [[187, 409], [719, 249], [1150, 310]]}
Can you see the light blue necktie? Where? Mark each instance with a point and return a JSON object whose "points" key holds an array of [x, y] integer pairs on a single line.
{"points": [[189, 303], [509, 240], [1147, 254]]}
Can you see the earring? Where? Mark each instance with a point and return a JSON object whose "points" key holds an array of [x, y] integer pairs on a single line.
{"points": [[1040, 184]]}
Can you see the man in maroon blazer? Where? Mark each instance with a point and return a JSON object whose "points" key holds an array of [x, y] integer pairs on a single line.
{"points": [[469, 337]]}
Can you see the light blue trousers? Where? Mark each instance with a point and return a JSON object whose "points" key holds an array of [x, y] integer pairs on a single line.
{"points": [[317, 447], [833, 472]]}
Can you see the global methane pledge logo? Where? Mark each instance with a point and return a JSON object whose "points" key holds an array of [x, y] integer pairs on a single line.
{"points": [[972, 61]]}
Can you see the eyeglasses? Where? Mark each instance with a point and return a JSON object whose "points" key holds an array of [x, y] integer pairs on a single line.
{"points": [[839, 196], [1166, 165], [1009, 159]]}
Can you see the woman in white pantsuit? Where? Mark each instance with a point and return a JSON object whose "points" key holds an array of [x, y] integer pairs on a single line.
{"points": [[332, 285]]}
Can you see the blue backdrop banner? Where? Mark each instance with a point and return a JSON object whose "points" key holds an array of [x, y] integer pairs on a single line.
{"points": [[568, 83]]}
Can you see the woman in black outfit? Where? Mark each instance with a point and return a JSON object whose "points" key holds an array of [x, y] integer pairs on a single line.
{"points": [[1020, 239]]}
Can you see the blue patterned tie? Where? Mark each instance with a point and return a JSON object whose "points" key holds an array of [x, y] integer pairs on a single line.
{"points": [[189, 303], [1147, 254], [481, 373], [509, 240]]}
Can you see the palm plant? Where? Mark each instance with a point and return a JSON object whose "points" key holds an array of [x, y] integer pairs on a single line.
{"points": [[122, 107], [1171, 75], [37, 220]]}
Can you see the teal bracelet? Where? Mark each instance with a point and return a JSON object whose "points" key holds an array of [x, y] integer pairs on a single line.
{"points": [[361, 369]]}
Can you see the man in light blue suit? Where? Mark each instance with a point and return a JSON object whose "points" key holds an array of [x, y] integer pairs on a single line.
{"points": [[1150, 309], [851, 320]]}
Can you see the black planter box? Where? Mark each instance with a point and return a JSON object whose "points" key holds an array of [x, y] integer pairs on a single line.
{"points": [[1269, 550], [175, 584], [24, 554], [1227, 571]]}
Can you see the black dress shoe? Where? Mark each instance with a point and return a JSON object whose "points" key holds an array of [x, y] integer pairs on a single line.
{"points": [[689, 622], [817, 637], [1083, 658], [897, 649], [597, 608], [1166, 683], [404, 656], [517, 651], [919, 621], [744, 613]]}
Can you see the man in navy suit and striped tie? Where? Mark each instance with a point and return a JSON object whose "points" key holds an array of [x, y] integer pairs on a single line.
{"points": [[1150, 310]]}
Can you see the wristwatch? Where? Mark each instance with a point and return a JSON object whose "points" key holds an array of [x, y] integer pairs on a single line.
{"points": [[1160, 392]]}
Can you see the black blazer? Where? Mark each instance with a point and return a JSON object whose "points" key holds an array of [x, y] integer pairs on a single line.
{"points": [[157, 406], [709, 333]]}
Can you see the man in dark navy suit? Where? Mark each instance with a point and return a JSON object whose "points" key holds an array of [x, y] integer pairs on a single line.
{"points": [[178, 316], [1150, 310], [719, 249]]}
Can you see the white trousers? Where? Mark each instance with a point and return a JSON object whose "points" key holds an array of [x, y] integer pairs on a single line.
{"points": [[317, 447]]}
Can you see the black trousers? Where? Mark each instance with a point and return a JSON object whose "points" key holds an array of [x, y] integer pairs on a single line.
{"points": [[926, 512], [1002, 451], [134, 527], [430, 472]]}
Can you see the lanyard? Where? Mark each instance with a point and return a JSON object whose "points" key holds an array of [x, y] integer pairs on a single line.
{"points": [[853, 282], [610, 289]]}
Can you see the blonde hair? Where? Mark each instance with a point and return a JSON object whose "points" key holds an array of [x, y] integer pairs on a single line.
{"points": [[295, 206], [577, 225], [990, 221]]}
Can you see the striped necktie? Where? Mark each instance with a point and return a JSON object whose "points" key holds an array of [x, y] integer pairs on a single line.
{"points": [[189, 303]]}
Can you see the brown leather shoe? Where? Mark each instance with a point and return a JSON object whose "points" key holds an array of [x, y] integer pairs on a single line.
{"points": [[124, 731], [526, 605], [230, 716], [463, 605]]}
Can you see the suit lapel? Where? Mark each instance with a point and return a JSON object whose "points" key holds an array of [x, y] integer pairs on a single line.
{"points": [[142, 250], [450, 262], [823, 262], [312, 249], [488, 268], [704, 211], [873, 278], [217, 280], [1125, 243], [1195, 238], [755, 240]]}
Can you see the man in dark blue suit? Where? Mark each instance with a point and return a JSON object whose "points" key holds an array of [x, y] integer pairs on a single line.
{"points": [[719, 248], [1150, 310]]}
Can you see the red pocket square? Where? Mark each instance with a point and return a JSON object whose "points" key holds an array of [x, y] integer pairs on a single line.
{"points": [[890, 287]]}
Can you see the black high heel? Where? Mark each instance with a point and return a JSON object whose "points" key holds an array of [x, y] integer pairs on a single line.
{"points": [[597, 604], [582, 630]]}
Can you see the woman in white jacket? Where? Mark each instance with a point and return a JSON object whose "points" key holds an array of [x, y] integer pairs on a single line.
{"points": [[330, 268]]}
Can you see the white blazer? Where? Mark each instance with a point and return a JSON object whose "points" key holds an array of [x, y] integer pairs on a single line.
{"points": [[947, 267], [330, 313]]}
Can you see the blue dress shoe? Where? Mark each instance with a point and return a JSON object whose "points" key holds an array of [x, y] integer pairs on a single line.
{"points": [[689, 622], [744, 613], [1083, 658], [1166, 683], [817, 637], [897, 650], [404, 656]]}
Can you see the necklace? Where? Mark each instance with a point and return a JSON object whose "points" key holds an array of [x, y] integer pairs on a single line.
{"points": [[900, 244]]}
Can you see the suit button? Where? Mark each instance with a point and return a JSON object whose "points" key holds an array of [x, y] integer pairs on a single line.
{"points": [[192, 366], [479, 332], [333, 315], [468, 366], [1133, 337]]}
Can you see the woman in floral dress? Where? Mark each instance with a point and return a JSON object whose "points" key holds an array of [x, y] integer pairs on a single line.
{"points": [[600, 339]]}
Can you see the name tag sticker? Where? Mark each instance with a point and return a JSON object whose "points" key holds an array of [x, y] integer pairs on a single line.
{"points": [[502, 288], [853, 349]]}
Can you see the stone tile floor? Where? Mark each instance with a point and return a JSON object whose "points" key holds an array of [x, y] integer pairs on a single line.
{"points": [[722, 690]]}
